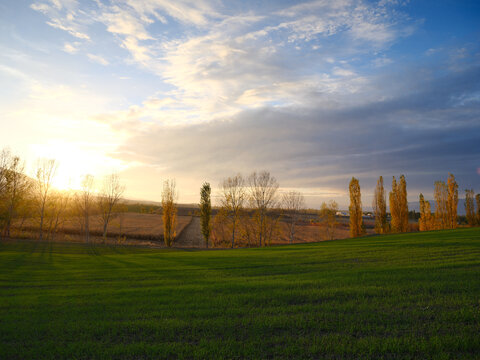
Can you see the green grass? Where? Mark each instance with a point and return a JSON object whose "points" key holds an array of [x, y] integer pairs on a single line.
{"points": [[393, 297]]}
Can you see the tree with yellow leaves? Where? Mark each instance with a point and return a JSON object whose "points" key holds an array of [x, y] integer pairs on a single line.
{"points": [[470, 207], [452, 202], [426, 221], [356, 222], [441, 205], [169, 209], [380, 208], [403, 204]]}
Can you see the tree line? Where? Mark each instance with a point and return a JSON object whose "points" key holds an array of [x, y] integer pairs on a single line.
{"points": [[34, 200], [444, 217], [249, 212]]}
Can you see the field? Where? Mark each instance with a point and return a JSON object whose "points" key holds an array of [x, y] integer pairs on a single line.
{"points": [[135, 226], [392, 297]]}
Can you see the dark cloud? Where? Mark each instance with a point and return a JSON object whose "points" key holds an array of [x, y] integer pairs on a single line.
{"points": [[424, 134]]}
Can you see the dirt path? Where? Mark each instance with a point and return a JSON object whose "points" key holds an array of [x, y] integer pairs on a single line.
{"points": [[191, 236]]}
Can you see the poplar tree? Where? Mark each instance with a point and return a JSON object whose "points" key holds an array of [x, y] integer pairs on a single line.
{"points": [[441, 204], [355, 209], [380, 208], [169, 195], [205, 211], [452, 202], [422, 222], [477, 200], [429, 219], [394, 207], [403, 204], [470, 207]]}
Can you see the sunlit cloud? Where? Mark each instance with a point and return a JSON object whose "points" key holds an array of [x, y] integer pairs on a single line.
{"points": [[315, 91]]}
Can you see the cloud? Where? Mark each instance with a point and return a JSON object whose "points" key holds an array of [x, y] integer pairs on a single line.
{"points": [[422, 134], [71, 48], [98, 59], [63, 15]]}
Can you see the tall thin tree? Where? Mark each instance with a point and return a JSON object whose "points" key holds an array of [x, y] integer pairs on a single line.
{"points": [[403, 204], [395, 207], [169, 209], [46, 169], [441, 205], [355, 209], [205, 211], [452, 203], [380, 208], [477, 200], [85, 204], [470, 207]]}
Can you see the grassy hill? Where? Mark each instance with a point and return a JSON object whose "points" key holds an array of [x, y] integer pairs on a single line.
{"points": [[393, 297]]}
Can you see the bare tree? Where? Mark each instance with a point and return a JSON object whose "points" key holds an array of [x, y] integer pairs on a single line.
{"points": [[233, 199], [85, 203], [16, 191], [56, 213], [46, 169], [263, 197], [293, 202], [5, 159], [329, 219], [169, 209], [109, 197], [14, 188]]}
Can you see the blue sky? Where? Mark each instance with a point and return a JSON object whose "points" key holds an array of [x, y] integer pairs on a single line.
{"points": [[314, 91]]}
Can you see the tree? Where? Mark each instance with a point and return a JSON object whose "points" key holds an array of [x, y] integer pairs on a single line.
{"points": [[56, 212], [292, 202], [169, 196], [470, 207], [328, 218], [355, 209], [109, 197], [395, 207], [422, 226], [232, 200], [429, 218], [441, 205], [15, 191], [452, 202], [477, 200], [205, 211], [263, 197], [85, 204], [380, 208], [403, 204], [426, 221], [46, 169]]}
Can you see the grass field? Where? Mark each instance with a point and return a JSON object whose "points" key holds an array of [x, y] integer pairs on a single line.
{"points": [[393, 297]]}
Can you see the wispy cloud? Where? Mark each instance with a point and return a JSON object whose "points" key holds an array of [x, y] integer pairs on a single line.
{"points": [[98, 59]]}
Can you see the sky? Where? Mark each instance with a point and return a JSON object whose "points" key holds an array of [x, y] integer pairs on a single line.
{"points": [[313, 91]]}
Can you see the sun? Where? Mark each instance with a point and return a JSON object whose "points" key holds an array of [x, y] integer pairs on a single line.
{"points": [[75, 160]]}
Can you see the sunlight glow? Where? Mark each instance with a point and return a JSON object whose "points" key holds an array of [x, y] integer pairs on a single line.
{"points": [[76, 160]]}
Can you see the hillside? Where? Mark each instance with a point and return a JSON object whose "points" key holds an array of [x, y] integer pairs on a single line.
{"points": [[397, 296]]}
